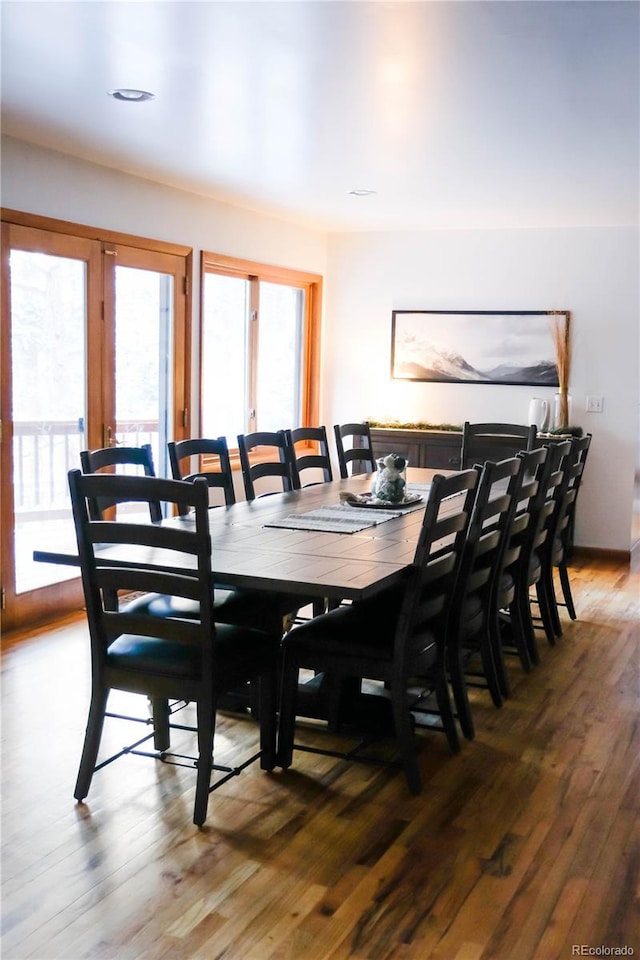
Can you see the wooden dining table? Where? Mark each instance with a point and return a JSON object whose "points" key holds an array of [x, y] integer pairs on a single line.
{"points": [[337, 566], [248, 552]]}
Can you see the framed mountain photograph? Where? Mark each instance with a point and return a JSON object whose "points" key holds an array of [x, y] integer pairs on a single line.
{"points": [[483, 346]]}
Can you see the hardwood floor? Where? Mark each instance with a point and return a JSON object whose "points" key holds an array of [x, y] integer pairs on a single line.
{"points": [[522, 846]]}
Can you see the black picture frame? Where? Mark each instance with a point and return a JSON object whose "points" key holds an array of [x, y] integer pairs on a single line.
{"points": [[497, 347]]}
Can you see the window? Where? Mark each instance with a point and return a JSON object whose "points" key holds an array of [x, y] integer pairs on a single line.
{"points": [[260, 347]]}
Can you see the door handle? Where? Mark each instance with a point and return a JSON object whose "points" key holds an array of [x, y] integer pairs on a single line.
{"points": [[109, 439]]}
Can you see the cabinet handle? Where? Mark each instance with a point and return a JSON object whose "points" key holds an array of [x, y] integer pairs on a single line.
{"points": [[454, 461]]}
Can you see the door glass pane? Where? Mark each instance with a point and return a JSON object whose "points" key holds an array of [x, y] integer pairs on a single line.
{"points": [[48, 306], [143, 365], [279, 356], [224, 357]]}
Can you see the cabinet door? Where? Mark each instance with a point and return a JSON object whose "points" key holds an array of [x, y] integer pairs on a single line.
{"points": [[443, 456], [398, 441]]}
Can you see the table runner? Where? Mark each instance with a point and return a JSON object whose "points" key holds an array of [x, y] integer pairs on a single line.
{"points": [[342, 518]]}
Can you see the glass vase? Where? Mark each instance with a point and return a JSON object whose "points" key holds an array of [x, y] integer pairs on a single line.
{"points": [[561, 410], [390, 480]]}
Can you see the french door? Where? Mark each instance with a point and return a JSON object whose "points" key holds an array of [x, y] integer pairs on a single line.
{"points": [[94, 353]]}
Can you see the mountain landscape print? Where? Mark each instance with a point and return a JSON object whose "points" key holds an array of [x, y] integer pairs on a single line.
{"points": [[473, 347]]}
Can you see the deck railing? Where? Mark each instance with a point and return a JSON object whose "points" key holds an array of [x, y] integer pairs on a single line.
{"points": [[45, 451]]}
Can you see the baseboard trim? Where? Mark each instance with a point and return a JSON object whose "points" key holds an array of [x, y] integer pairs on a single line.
{"points": [[601, 553]]}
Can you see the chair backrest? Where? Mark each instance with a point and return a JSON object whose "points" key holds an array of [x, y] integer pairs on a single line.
{"points": [[553, 483], [494, 441], [563, 529], [485, 543], [167, 558], [106, 458], [219, 478], [525, 508], [358, 453], [430, 588], [274, 460], [320, 459]]}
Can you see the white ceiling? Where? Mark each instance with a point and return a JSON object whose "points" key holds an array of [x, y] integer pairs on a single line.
{"points": [[459, 114]]}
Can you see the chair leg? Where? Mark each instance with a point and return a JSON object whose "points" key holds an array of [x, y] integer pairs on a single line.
{"points": [[566, 589], [406, 738], [490, 669], [288, 698], [93, 734], [268, 697], [549, 592], [498, 658], [319, 606], [522, 606], [206, 721], [522, 628], [160, 713], [446, 713], [547, 604], [460, 695]]}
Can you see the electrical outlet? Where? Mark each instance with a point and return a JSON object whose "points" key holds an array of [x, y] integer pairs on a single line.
{"points": [[594, 404]]}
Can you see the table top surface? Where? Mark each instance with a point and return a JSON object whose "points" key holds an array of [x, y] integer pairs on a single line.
{"points": [[247, 553]]}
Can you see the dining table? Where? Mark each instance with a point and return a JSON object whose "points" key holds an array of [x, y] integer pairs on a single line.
{"points": [[309, 541], [328, 540]]}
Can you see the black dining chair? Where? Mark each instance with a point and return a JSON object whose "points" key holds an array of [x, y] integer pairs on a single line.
{"points": [[560, 542], [218, 474], [510, 629], [474, 657], [518, 629], [266, 455], [494, 441], [167, 658], [140, 459], [580, 449], [398, 636], [358, 452], [310, 451]]}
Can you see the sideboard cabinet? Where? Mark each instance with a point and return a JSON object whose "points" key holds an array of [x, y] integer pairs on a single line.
{"points": [[439, 449]]}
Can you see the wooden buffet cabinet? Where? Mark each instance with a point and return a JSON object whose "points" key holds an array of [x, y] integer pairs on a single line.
{"points": [[439, 449]]}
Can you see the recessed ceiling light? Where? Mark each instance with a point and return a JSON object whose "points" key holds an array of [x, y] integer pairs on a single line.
{"points": [[131, 95], [361, 193]]}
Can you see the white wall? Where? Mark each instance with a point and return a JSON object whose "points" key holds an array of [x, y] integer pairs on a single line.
{"points": [[592, 272]]}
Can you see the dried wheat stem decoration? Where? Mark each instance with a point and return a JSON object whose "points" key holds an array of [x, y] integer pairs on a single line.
{"points": [[562, 341]]}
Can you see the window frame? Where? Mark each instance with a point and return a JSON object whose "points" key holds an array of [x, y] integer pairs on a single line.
{"points": [[256, 272], [66, 238]]}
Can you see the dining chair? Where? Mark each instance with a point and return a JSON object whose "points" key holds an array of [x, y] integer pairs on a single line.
{"points": [[360, 451], [107, 458], [510, 630], [581, 447], [474, 657], [181, 453], [519, 629], [560, 541], [266, 455], [167, 658], [394, 637], [314, 457], [494, 441]]}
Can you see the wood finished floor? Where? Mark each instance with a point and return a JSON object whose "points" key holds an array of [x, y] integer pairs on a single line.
{"points": [[522, 846]]}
